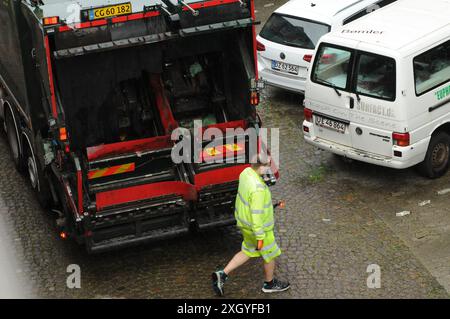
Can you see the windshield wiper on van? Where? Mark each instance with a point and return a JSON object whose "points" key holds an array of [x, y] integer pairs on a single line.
{"points": [[330, 84]]}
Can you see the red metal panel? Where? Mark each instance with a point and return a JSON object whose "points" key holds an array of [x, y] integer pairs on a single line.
{"points": [[165, 113], [255, 53], [147, 144], [223, 126], [80, 192], [207, 4], [50, 77], [219, 176], [143, 192]]}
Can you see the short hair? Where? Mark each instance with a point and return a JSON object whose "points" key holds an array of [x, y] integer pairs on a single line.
{"points": [[259, 159]]}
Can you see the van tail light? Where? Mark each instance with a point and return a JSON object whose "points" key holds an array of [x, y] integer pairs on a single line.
{"points": [[260, 46], [308, 114], [401, 139], [307, 58], [254, 98]]}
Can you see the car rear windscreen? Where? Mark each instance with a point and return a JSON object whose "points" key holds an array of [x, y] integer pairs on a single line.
{"points": [[293, 31]]}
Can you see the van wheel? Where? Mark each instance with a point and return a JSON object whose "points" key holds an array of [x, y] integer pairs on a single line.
{"points": [[36, 175], [13, 141], [437, 158]]}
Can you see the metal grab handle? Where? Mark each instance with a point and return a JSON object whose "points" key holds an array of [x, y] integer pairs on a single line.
{"points": [[243, 4], [194, 12]]}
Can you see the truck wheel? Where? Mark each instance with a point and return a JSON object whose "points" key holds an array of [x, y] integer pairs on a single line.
{"points": [[437, 158], [36, 175], [12, 131]]}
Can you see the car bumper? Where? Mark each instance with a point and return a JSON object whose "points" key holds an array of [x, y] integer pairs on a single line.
{"points": [[286, 82], [411, 155]]}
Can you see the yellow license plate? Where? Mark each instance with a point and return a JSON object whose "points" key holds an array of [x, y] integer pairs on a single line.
{"points": [[110, 11]]}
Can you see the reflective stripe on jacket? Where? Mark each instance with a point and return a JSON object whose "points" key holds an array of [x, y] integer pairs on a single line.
{"points": [[254, 209]]}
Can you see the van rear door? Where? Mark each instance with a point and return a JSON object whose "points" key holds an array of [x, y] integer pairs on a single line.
{"points": [[328, 93], [374, 116]]}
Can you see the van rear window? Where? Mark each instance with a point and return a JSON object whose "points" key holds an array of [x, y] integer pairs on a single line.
{"points": [[432, 68], [293, 31], [372, 75], [332, 67], [375, 76]]}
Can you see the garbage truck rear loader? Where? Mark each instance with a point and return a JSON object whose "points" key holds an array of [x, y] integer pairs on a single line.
{"points": [[92, 98]]}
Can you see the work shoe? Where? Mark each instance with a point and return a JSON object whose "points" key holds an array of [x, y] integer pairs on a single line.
{"points": [[275, 286], [218, 279]]}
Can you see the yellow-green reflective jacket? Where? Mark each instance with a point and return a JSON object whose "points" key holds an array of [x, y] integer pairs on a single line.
{"points": [[254, 209]]}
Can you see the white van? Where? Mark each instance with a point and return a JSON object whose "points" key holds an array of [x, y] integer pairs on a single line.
{"points": [[379, 88], [287, 41]]}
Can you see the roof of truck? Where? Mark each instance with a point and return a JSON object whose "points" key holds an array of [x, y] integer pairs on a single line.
{"points": [[400, 24], [323, 10], [66, 9]]}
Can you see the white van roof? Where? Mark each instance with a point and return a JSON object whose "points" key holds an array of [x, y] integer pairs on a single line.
{"points": [[401, 24], [325, 11]]}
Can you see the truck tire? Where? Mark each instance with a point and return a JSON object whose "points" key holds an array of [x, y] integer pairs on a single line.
{"points": [[437, 158], [12, 132], [35, 170]]}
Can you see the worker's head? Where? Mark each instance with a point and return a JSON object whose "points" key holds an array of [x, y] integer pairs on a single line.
{"points": [[260, 163]]}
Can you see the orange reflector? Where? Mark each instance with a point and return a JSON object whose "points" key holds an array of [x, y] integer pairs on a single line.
{"points": [[63, 134], [212, 151], [120, 169], [233, 147], [63, 235], [51, 20], [220, 150], [254, 98], [282, 204]]}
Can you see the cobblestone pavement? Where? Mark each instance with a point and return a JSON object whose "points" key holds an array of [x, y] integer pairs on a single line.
{"points": [[340, 218]]}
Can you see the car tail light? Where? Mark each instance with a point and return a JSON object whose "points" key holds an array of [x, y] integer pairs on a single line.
{"points": [[254, 98], [308, 58], [308, 114], [401, 139], [260, 46]]}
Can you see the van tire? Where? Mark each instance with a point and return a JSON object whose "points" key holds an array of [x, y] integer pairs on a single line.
{"points": [[12, 131], [437, 158]]}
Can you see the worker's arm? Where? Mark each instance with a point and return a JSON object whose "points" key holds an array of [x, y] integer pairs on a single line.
{"points": [[257, 211]]}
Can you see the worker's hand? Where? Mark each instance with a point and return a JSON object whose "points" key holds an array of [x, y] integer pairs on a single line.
{"points": [[260, 244], [280, 203]]}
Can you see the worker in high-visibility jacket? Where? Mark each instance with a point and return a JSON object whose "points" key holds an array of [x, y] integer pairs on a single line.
{"points": [[255, 219]]}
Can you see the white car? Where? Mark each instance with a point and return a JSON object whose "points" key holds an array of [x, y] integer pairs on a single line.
{"points": [[379, 88], [287, 41]]}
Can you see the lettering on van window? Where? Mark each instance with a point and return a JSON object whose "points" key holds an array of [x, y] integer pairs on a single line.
{"points": [[443, 93], [362, 31], [375, 109]]}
